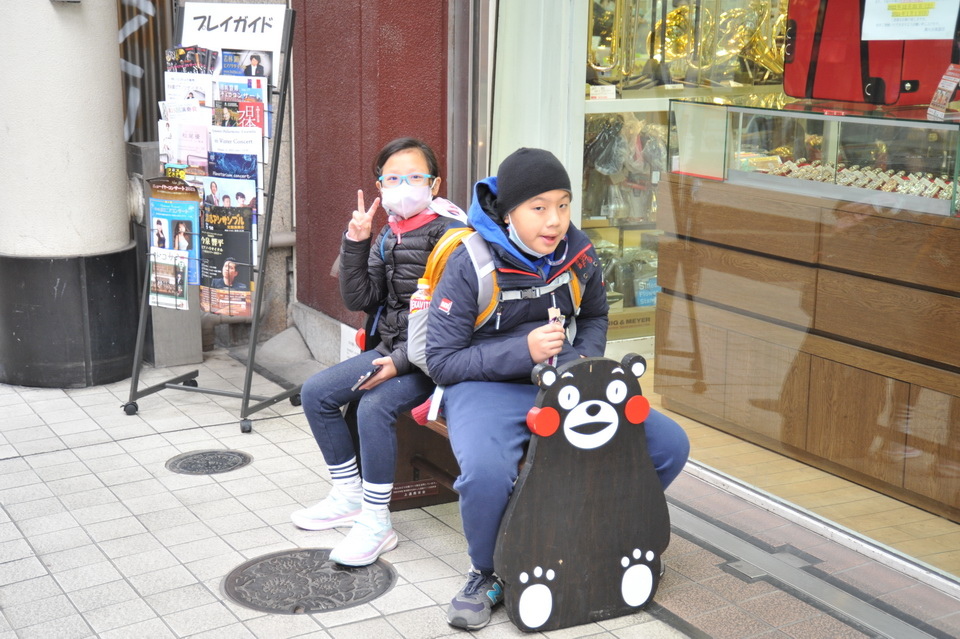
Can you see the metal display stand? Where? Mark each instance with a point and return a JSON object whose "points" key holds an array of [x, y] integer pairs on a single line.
{"points": [[188, 381]]}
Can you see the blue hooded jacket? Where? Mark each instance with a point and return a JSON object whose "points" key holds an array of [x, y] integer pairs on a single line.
{"points": [[498, 350]]}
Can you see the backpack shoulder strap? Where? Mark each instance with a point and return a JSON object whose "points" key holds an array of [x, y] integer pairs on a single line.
{"points": [[576, 289], [383, 240], [447, 243], [487, 290]]}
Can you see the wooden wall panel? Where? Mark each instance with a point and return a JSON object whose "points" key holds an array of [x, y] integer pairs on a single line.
{"points": [[689, 361], [739, 217], [872, 390], [933, 446], [767, 388], [671, 204], [892, 248], [892, 316], [755, 284], [857, 419], [916, 373]]}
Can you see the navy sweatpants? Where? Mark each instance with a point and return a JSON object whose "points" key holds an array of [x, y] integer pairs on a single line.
{"points": [[488, 430], [325, 392]]}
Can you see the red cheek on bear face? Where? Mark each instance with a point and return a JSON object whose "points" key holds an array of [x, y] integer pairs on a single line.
{"points": [[637, 409], [543, 421]]}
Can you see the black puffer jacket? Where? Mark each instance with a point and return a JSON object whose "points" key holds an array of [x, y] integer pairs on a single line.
{"points": [[385, 272]]}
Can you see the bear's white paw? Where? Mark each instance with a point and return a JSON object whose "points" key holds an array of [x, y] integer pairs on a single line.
{"points": [[637, 585], [536, 601]]}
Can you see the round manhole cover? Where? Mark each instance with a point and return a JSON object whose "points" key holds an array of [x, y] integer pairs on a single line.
{"points": [[208, 462], [305, 581]]}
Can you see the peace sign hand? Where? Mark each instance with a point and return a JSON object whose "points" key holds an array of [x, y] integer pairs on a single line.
{"points": [[361, 223]]}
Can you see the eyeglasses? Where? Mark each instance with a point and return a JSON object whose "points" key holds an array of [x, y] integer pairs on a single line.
{"points": [[414, 179]]}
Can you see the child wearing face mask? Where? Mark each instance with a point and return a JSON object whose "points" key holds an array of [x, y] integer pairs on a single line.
{"points": [[377, 275]]}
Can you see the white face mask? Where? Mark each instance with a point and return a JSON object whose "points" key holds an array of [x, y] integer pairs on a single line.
{"points": [[405, 201], [515, 238]]}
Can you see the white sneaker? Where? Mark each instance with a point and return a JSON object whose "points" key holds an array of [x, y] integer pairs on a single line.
{"points": [[335, 510], [371, 536]]}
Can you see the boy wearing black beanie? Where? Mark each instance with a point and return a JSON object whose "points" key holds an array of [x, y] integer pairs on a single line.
{"points": [[524, 215]]}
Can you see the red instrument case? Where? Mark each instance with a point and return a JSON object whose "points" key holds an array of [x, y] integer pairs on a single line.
{"points": [[825, 58]]}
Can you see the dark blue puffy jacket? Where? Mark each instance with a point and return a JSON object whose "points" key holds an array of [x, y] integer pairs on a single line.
{"points": [[498, 350]]}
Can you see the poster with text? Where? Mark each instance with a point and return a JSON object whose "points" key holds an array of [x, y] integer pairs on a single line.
{"points": [[175, 225], [250, 64], [227, 261], [188, 86], [243, 140], [228, 192], [168, 273], [247, 29]]}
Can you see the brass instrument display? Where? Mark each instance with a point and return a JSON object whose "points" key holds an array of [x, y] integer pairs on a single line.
{"points": [[640, 44], [636, 47], [613, 32]]}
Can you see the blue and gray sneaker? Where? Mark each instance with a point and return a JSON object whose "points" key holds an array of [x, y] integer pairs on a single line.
{"points": [[471, 608]]}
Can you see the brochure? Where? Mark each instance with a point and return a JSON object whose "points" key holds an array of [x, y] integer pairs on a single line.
{"points": [[227, 260]]}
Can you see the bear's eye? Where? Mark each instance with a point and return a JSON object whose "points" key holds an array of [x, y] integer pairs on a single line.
{"points": [[569, 397], [616, 391]]}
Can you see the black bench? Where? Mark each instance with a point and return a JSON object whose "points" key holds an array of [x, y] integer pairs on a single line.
{"points": [[426, 466]]}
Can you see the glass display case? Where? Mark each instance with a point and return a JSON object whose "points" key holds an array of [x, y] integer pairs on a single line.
{"points": [[810, 295], [640, 54], [811, 267], [887, 158], [624, 156]]}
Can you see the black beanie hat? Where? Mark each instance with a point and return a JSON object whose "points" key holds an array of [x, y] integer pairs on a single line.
{"points": [[526, 173]]}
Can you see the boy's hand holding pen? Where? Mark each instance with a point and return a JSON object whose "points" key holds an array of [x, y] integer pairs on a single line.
{"points": [[555, 318]]}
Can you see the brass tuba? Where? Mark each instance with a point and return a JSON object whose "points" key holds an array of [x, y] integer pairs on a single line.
{"points": [[766, 47], [752, 34], [736, 28], [623, 38], [680, 38], [689, 44], [677, 34], [739, 33]]}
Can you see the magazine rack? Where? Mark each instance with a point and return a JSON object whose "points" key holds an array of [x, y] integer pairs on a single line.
{"points": [[187, 381]]}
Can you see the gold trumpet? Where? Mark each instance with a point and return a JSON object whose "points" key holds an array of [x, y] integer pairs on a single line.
{"points": [[604, 35]]}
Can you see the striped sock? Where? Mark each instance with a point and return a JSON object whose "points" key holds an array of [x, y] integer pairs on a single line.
{"points": [[346, 477], [376, 496]]}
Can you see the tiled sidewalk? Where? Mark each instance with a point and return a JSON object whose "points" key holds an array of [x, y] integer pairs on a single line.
{"points": [[747, 568], [99, 539]]}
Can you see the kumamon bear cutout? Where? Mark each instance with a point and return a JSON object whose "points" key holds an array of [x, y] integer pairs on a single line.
{"points": [[587, 524]]}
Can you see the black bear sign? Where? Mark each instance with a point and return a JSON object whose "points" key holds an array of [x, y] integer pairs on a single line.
{"points": [[585, 529]]}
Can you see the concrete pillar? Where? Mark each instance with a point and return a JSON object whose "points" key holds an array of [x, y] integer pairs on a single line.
{"points": [[68, 304]]}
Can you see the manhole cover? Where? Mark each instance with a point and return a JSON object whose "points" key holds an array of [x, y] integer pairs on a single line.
{"points": [[208, 462], [305, 581]]}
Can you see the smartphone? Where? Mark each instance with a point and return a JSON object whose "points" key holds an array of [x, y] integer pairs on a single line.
{"points": [[366, 376]]}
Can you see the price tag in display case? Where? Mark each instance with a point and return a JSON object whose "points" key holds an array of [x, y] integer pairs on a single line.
{"points": [[944, 93]]}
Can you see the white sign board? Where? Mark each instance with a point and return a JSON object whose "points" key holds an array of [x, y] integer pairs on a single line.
{"points": [[910, 20], [247, 29]]}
